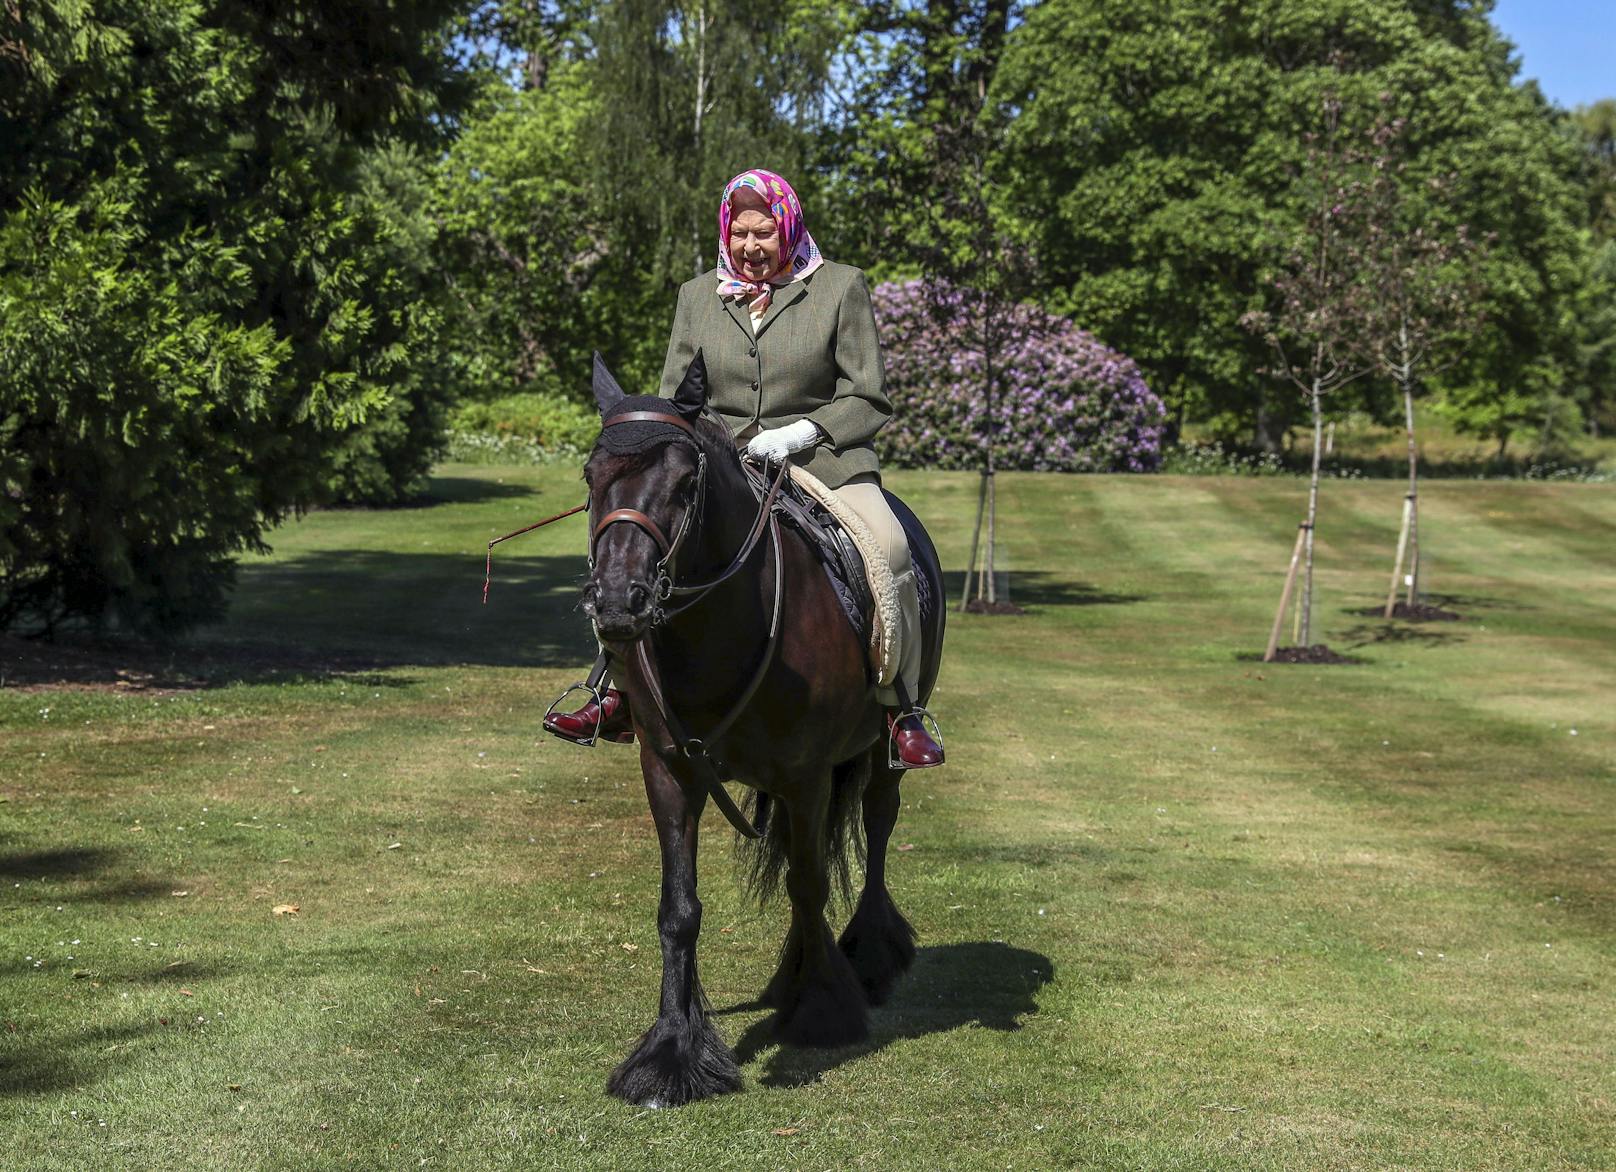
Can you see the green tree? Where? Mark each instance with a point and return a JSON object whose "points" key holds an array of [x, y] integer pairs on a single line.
{"points": [[197, 296], [1596, 127], [912, 152], [583, 189], [1152, 152], [527, 246], [1316, 327]]}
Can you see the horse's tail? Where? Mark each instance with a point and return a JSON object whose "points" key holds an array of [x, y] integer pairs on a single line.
{"points": [[763, 861]]}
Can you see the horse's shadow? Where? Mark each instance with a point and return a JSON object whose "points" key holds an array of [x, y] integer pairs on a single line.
{"points": [[985, 983]]}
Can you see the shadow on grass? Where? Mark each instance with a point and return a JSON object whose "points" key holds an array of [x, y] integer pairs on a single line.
{"points": [[61, 1061], [177, 972], [470, 490], [1034, 589], [92, 870], [73, 862], [1385, 633], [983, 983], [337, 613]]}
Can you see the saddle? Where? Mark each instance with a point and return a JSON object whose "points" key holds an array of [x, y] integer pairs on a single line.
{"points": [[838, 553]]}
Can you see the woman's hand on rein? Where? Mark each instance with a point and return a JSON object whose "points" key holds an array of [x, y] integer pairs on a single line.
{"points": [[779, 442]]}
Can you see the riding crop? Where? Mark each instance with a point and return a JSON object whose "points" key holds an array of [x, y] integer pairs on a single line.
{"points": [[488, 573]]}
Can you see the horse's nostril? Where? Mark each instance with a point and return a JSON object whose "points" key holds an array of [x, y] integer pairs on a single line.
{"points": [[638, 597]]}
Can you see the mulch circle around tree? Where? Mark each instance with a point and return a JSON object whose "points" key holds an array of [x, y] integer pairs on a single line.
{"points": [[982, 606], [1319, 653]]}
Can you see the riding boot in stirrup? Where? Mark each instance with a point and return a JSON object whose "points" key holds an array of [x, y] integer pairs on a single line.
{"points": [[916, 747], [607, 721]]}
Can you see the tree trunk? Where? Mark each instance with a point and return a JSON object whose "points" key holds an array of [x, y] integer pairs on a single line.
{"points": [[1312, 515], [1413, 490], [701, 103], [988, 325], [992, 594], [976, 540], [1267, 432]]}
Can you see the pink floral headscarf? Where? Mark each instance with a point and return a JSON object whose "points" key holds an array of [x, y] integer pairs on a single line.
{"points": [[800, 253]]}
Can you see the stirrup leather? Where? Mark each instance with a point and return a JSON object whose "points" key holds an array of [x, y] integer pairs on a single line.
{"points": [[928, 722], [599, 697]]}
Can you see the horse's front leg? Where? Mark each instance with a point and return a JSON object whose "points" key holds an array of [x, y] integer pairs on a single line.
{"points": [[681, 1058], [818, 996]]}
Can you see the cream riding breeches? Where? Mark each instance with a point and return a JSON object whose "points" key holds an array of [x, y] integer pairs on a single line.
{"points": [[862, 494]]}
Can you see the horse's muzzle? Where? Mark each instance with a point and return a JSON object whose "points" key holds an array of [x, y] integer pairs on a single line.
{"points": [[620, 616]]}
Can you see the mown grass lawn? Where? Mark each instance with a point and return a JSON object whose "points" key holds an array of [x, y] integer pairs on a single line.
{"points": [[1177, 909]]}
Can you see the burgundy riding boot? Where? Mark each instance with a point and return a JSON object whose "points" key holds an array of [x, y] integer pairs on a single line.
{"points": [[916, 748], [607, 721]]}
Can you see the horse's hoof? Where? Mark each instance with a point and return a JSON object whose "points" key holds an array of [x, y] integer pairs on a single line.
{"points": [[828, 1012], [880, 945], [676, 1063]]}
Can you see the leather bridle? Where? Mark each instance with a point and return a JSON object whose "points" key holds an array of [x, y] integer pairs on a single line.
{"points": [[664, 588]]}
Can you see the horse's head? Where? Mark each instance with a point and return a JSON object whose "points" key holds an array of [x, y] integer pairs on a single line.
{"points": [[647, 480]]}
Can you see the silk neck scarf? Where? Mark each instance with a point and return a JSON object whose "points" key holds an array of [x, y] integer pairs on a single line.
{"points": [[797, 247]]}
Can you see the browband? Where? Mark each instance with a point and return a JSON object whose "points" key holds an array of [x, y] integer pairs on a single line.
{"points": [[649, 417]]}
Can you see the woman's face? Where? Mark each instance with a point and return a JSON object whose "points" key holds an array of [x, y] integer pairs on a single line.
{"points": [[754, 244]]}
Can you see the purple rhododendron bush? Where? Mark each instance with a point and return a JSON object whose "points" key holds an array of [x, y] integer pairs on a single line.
{"points": [[1069, 403]]}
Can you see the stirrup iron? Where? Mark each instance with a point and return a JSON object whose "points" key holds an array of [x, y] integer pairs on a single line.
{"points": [[928, 722], [592, 690]]}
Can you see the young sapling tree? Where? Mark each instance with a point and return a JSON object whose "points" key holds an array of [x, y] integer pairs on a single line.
{"points": [[1315, 327]]}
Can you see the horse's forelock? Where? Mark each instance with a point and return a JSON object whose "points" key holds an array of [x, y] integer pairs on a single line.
{"points": [[648, 437]]}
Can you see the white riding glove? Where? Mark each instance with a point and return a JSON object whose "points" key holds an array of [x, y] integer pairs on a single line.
{"points": [[779, 442]]}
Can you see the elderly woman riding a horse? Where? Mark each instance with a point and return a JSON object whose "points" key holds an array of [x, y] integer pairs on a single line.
{"points": [[800, 379], [725, 629]]}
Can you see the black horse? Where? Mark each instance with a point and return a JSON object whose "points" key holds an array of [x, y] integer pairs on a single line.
{"points": [[729, 642]]}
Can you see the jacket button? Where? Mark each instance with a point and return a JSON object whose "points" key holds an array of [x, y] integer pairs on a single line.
{"points": [[752, 353], [754, 384]]}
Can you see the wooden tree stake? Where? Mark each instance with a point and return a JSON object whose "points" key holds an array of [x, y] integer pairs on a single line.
{"points": [[1285, 595], [1402, 549]]}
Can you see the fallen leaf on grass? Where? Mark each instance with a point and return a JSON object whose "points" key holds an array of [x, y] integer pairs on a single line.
{"points": [[186, 993], [234, 1086], [286, 909], [906, 846], [787, 1130], [627, 947], [180, 894]]}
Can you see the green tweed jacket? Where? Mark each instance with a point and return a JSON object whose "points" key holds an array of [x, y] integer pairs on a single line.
{"points": [[816, 356]]}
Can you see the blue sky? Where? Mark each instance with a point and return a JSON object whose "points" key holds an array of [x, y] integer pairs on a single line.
{"points": [[1568, 45]]}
